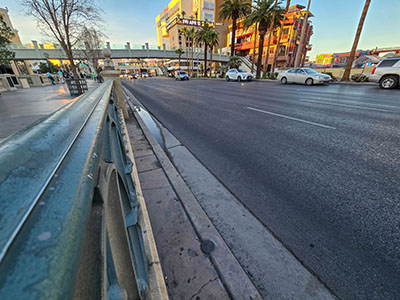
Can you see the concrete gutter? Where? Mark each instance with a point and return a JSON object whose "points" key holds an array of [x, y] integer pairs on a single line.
{"points": [[157, 289], [234, 278]]}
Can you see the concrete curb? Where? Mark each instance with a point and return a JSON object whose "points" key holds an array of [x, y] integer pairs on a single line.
{"points": [[235, 279], [157, 287], [354, 83]]}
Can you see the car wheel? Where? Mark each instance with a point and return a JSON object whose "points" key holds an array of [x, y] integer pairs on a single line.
{"points": [[309, 81], [389, 82], [227, 78], [284, 80], [239, 78], [187, 78]]}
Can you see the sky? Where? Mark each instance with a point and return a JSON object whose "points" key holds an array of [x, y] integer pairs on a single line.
{"points": [[335, 23]]}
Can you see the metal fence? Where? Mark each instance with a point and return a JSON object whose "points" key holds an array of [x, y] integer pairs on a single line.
{"points": [[68, 209]]}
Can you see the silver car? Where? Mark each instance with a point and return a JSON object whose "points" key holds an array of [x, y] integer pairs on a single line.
{"points": [[303, 75], [181, 75], [238, 74], [387, 73]]}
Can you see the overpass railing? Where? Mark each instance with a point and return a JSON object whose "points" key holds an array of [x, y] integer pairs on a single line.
{"points": [[69, 211]]}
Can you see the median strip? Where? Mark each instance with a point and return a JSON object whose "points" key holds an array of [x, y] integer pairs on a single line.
{"points": [[291, 118]]}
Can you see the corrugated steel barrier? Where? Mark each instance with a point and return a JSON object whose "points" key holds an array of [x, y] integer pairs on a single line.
{"points": [[68, 208]]}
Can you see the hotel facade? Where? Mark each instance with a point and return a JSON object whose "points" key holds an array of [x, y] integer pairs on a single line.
{"points": [[289, 43], [188, 13]]}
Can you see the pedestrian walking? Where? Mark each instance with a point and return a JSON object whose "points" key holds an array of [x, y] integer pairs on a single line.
{"points": [[60, 74], [50, 77]]}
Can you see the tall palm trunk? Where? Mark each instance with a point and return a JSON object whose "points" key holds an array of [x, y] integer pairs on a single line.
{"points": [[280, 35], [211, 52], [187, 54], [300, 48], [205, 59], [346, 75], [254, 48], [179, 62], [255, 42], [271, 29], [260, 53], [192, 57], [233, 36]]}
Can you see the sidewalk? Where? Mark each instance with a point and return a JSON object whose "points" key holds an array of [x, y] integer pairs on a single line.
{"points": [[23, 107], [196, 262]]}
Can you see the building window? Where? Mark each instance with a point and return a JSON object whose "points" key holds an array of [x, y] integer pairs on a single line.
{"points": [[208, 5], [282, 50], [209, 16], [286, 31]]}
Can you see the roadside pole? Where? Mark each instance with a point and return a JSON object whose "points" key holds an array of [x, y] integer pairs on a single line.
{"points": [[302, 37]]}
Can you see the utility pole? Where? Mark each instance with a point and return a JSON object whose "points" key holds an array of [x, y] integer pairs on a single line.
{"points": [[302, 37]]}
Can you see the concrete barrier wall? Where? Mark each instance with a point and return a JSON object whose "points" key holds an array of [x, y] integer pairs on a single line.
{"points": [[338, 72]]}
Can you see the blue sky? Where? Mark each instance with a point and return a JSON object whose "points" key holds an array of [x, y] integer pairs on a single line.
{"points": [[335, 22]]}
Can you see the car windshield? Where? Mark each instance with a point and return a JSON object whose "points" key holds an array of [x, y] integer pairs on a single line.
{"points": [[182, 73], [310, 71], [242, 71]]}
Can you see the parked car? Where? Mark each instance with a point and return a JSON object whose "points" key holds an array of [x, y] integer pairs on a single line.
{"points": [[387, 73], [238, 74], [181, 75], [145, 74], [133, 76], [303, 75]]}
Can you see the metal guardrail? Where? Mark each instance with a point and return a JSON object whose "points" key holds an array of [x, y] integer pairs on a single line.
{"points": [[68, 207]]}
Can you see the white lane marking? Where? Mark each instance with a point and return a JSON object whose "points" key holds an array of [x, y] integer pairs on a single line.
{"points": [[290, 118], [344, 105]]}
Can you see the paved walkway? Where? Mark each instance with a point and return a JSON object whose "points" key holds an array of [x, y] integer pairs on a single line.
{"points": [[23, 107]]}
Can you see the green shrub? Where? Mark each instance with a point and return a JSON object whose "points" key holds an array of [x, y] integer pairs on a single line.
{"points": [[359, 78]]}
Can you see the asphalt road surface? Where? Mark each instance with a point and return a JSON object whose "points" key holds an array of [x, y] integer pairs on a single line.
{"points": [[319, 166]]}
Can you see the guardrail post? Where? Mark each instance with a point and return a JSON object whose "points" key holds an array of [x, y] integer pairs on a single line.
{"points": [[110, 73]]}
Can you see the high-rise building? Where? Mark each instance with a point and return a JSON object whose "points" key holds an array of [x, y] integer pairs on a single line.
{"points": [[187, 13], [6, 18]]}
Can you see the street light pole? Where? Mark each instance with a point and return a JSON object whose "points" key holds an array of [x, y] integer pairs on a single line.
{"points": [[302, 37]]}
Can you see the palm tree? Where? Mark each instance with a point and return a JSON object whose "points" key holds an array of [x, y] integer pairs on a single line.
{"points": [[262, 14], [280, 34], [234, 62], [184, 31], [179, 51], [190, 34], [234, 9], [202, 37], [213, 40], [277, 17], [347, 71], [299, 52]]}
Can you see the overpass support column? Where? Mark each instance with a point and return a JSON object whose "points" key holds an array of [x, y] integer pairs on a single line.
{"points": [[110, 73]]}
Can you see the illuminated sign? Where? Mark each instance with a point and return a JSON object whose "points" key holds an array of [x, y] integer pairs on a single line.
{"points": [[187, 22], [191, 22]]}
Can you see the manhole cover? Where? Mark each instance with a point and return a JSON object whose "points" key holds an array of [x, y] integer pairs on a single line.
{"points": [[207, 246]]}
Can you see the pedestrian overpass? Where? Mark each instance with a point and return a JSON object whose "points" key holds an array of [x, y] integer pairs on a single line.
{"points": [[39, 53]]}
